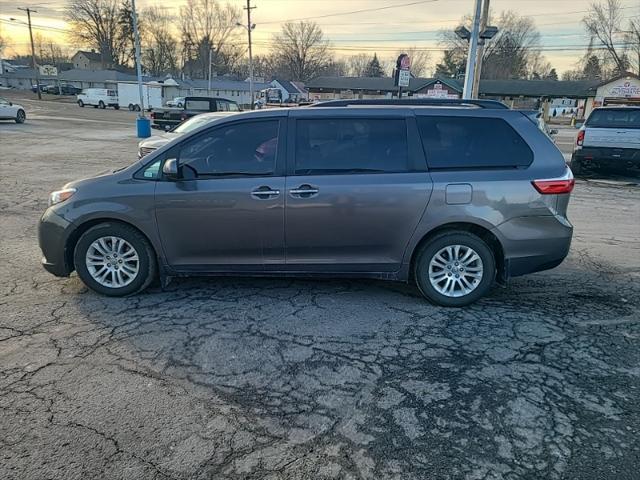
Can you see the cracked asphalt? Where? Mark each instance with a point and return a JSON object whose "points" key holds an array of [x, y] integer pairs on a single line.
{"points": [[308, 379]]}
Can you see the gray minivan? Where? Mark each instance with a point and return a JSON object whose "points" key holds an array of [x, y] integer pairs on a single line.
{"points": [[454, 197]]}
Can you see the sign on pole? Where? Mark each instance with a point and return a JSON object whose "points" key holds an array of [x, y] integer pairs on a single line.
{"points": [[403, 70]]}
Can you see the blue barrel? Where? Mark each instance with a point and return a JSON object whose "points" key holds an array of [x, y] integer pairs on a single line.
{"points": [[143, 125]]}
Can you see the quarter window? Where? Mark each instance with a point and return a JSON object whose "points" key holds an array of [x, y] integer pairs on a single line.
{"points": [[472, 142], [248, 148], [356, 145]]}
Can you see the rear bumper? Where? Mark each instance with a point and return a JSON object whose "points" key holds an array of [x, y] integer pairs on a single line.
{"points": [[533, 244], [607, 157], [53, 232]]}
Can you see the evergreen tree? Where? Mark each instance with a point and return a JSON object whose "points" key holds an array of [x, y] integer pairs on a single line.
{"points": [[452, 65], [374, 69], [592, 69], [552, 75]]}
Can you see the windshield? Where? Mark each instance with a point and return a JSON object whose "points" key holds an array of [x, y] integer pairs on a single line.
{"points": [[192, 124], [610, 118]]}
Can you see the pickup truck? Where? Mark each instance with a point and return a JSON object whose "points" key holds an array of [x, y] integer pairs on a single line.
{"points": [[167, 118], [610, 138]]}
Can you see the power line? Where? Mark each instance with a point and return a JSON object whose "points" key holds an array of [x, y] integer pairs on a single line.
{"points": [[375, 9]]}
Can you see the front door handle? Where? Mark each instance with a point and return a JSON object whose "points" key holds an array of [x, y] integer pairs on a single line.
{"points": [[304, 191], [264, 193]]}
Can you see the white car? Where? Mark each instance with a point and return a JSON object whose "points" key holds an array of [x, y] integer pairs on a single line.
{"points": [[176, 102], [11, 111]]}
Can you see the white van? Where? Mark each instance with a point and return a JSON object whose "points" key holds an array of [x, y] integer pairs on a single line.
{"points": [[99, 97]]}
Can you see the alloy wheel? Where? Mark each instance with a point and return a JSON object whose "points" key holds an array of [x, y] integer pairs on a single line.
{"points": [[112, 262], [455, 270]]}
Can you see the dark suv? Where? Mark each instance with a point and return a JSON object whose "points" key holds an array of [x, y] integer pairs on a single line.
{"points": [[452, 197]]}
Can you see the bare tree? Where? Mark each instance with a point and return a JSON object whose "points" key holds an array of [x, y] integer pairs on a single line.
{"points": [[48, 51], [159, 46], [94, 23], [302, 49], [357, 64], [633, 39], [604, 24], [508, 55], [208, 28]]}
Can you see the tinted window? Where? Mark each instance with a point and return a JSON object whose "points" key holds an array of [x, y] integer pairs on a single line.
{"points": [[351, 144], [202, 105], [622, 118], [472, 142], [243, 148], [222, 106], [233, 107]]}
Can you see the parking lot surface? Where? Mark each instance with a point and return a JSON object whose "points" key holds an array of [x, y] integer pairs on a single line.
{"points": [[308, 379]]}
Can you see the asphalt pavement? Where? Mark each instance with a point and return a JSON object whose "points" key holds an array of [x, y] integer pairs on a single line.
{"points": [[308, 379]]}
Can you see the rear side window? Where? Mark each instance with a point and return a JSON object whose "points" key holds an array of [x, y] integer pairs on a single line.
{"points": [[202, 105], [614, 118], [472, 142], [351, 145]]}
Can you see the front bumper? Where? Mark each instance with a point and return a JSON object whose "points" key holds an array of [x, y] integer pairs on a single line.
{"points": [[53, 233], [533, 244], [612, 158]]}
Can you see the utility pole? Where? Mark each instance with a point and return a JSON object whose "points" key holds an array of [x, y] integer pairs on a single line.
{"points": [[473, 51], [33, 50], [136, 34], [209, 82], [475, 93], [250, 27]]}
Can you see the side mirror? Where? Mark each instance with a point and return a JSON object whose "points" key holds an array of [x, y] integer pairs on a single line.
{"points": [[170, 169]]}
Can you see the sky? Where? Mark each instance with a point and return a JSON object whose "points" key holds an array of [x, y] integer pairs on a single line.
{"points": [[384, 27]]}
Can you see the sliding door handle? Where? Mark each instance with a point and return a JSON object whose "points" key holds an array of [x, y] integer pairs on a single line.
{"points": [[304, 191], [264, 193]]}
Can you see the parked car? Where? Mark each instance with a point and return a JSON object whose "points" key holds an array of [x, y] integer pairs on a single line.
{"points": [[176, 102], [452, 198], [11, 111], [610, 138], [150, 144], [167, 118], [63, 89], [34, 87], [99, 98]]}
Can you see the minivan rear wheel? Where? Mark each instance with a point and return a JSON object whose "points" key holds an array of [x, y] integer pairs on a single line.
{"points": [[455, 269], [115, 259]]}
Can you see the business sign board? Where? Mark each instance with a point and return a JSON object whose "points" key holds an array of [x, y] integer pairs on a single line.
{"points": [[48, 70]]}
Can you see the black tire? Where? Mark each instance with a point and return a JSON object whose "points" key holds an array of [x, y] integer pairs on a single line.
{"points": [[80, 103], [147, 259], [180, 105], [136, 108], [117, 107], [443, 240], [21, 116], [101, 104], [131, 107]]}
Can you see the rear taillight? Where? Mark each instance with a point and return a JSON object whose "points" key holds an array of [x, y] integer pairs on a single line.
{"points": [[153, 115], [554, 187], [580, 139]]}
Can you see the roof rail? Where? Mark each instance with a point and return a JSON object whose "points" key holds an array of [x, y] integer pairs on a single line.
{"points": [[434, 102]]}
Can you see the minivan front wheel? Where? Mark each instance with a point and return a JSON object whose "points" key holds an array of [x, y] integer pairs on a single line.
{"points": [[455, 269], [115, 259]]}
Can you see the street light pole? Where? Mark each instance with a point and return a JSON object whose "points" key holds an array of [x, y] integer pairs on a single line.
{"points": [[209, 82], [136, 34], [475, 93], [250, 27], [473, 52], [33, 50]]}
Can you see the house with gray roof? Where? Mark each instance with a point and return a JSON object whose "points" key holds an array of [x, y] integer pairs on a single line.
{"points": [[88, 60]]}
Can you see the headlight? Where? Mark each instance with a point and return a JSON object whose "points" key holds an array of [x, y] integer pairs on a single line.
{"points": [[61, 195]]}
